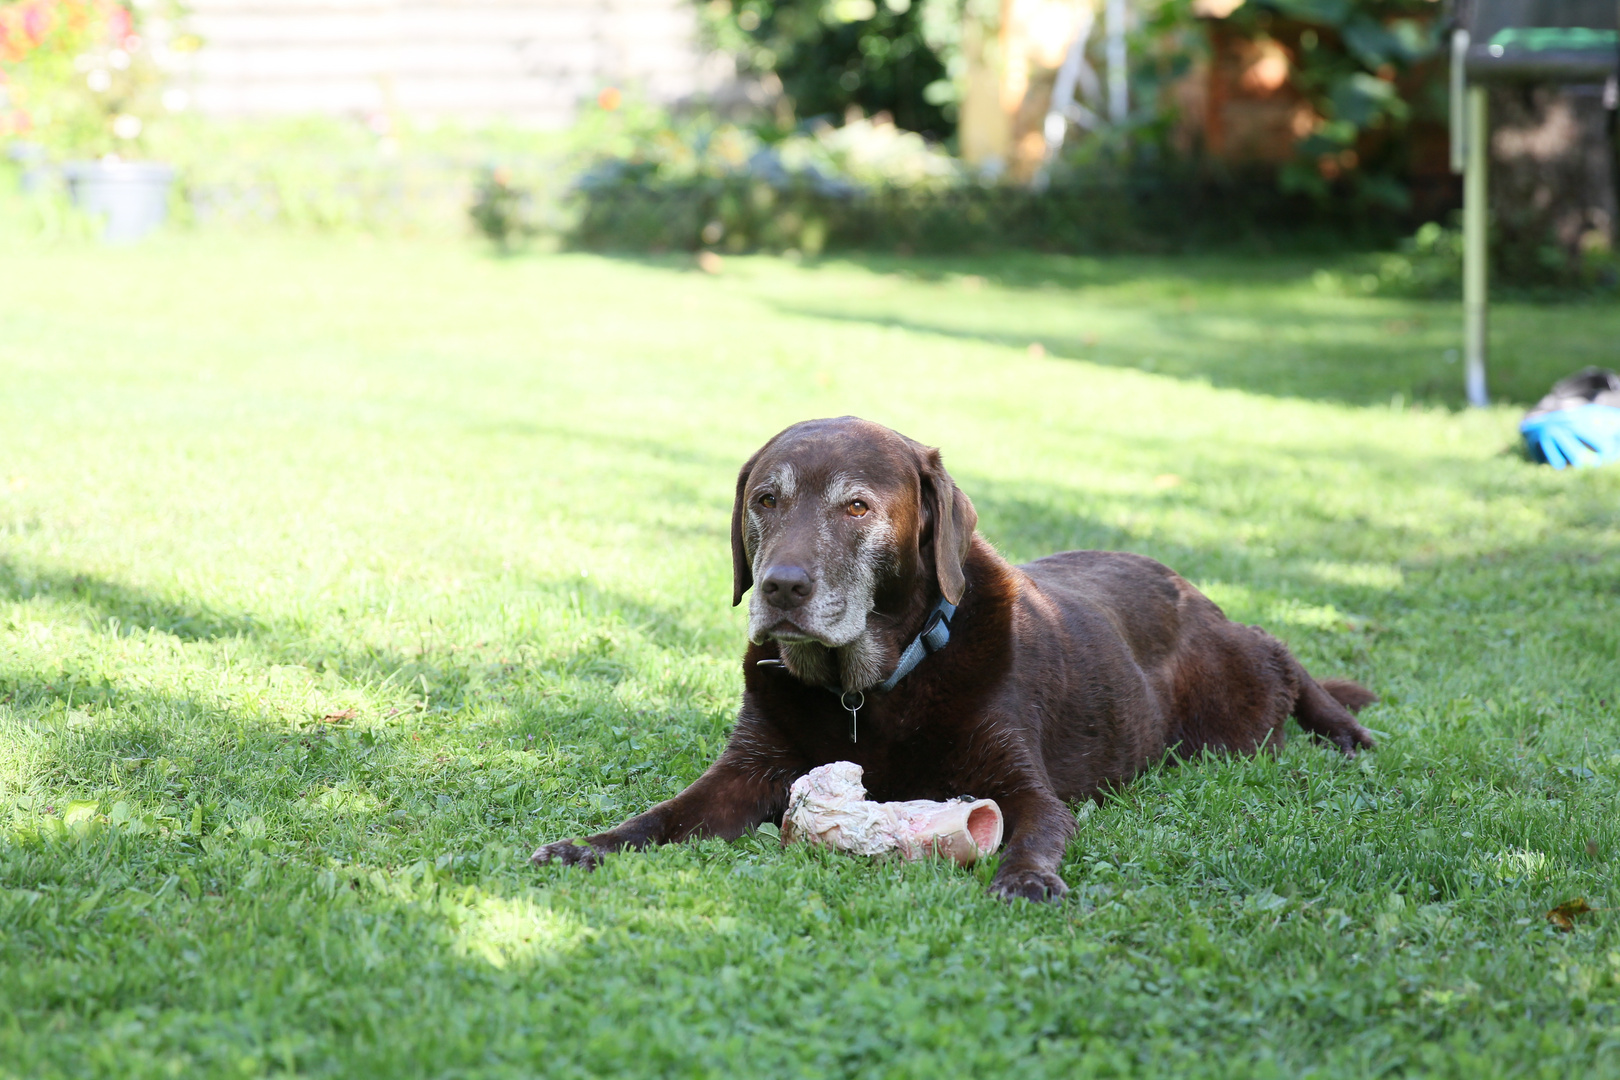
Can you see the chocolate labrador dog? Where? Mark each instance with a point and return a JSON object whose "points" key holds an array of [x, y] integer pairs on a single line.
{"points": [[884, 631]]}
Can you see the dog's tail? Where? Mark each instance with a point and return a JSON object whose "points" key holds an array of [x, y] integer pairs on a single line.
{"points": [[1352, 696]]}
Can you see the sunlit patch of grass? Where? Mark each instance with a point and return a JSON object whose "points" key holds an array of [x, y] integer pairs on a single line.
{"points": [[20, 754], [1312, 616], [1385, 576], [514, 932]]}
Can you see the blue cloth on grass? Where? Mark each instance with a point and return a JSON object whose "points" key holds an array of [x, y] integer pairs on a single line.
{"points": [[1584, 435], [1578, 422]]}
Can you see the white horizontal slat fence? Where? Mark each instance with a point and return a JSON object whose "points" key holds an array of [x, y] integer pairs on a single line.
{"points": [[531, 61]]}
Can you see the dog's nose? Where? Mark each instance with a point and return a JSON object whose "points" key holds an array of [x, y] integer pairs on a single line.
{"points": [[787, 587]]}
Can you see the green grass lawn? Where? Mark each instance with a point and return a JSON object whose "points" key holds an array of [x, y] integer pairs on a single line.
{"points": [[335, 575]]}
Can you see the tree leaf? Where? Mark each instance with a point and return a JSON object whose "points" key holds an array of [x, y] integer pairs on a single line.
{"points": [[1563, 916], [79, 811]]}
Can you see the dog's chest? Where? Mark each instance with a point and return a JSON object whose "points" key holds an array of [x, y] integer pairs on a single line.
{"points": [[899, 760]]}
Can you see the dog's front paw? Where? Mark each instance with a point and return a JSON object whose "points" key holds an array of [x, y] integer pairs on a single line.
{"points": [[1027, 883], [569, 853]]}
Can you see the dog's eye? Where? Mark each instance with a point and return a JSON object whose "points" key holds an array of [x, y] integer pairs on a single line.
{"points": [[858, 509], [768, 501]]}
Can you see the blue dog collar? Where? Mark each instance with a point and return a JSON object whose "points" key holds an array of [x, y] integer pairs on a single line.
{"points": [[936, 633]]}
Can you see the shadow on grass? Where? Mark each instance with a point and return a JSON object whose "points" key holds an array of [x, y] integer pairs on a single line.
{"points": [[105, 601], [1346, 374], [446, 675], [1234, 321], [1030, 270], [418, 716], [1409, 345], [195, 741], [1241, 322]]}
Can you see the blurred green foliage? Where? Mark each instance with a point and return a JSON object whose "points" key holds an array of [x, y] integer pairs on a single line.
{"points": [[835, 55], [685, 184], [502, 212], [680, 185], [1116, 212], [390, 176], [1428, 265], [85, 78], [1364, 66]]}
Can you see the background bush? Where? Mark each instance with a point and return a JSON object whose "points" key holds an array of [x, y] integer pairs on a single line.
{"points": [[869, 185], [86, 78], [869, 55]]}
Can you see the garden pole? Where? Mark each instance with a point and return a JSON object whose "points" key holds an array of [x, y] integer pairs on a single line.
{"points": [[1459, 102], [1475, 246], [1119, 105], [1611, 101]]}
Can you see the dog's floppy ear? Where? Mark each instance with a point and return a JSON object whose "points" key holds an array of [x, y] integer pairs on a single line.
{"points": [[742, 572], [954, 521]]}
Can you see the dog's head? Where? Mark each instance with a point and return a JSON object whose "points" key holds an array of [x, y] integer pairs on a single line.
{"points": [[849, 531]]}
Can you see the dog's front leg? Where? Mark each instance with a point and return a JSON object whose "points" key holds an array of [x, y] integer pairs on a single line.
{"points": [[1038, 829], [730, 798]]}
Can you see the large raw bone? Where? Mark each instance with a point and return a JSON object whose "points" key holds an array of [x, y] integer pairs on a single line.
{"points": [[828, 806]]}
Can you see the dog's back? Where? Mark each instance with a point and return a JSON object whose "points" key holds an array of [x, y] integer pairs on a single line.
{"points": [[1213, 683]]}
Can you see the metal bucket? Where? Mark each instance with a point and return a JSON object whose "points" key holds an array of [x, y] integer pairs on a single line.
{"points": [[132, 197]]}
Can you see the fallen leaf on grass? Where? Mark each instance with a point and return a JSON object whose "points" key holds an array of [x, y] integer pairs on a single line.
{"points": [[339, 717], [1563, 916]]}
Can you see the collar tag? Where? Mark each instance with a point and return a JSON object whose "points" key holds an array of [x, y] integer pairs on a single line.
{"points": [[852, 702]]}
